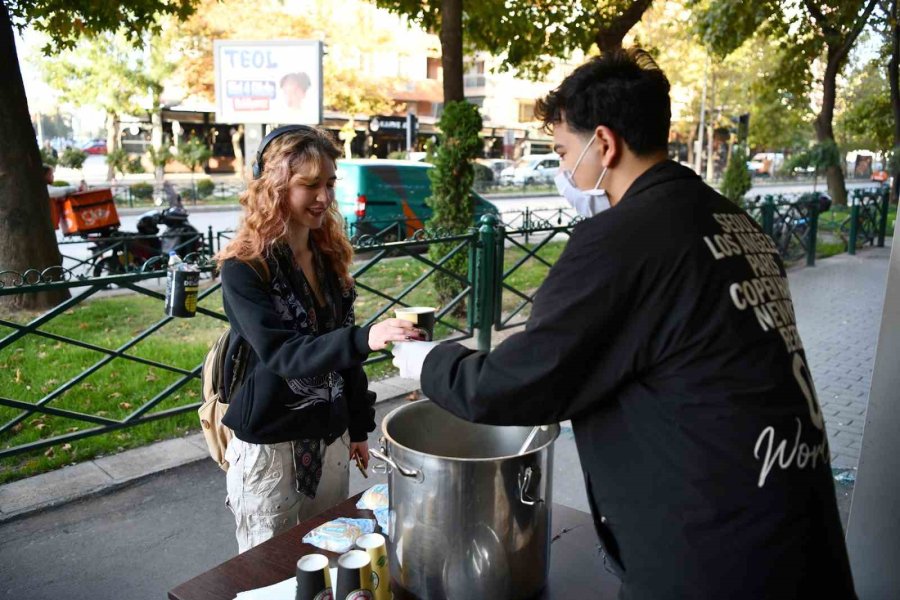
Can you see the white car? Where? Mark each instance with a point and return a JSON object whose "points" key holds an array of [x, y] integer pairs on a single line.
{"points": [[534, 168]]}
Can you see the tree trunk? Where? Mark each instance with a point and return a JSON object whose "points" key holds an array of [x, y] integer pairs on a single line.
{"points": [[610, 35], [112, 141], [451, 49], [834, 175], [893, 70], [27, 240]]}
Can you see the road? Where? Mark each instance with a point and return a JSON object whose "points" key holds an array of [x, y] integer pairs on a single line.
{"points": [[227, 218]]}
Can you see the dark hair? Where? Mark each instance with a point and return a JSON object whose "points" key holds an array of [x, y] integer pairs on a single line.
{"points": [[624, 90], [47, 169], [299, 78]]}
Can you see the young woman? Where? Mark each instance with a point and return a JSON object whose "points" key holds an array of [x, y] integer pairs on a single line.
{"points": [[303, 411]]}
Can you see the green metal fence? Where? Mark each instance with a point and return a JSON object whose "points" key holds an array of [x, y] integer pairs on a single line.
{"points": [[375, 284], [793, 220]]}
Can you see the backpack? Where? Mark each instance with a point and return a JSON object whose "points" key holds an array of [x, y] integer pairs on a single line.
{"points": [[213, 388]]}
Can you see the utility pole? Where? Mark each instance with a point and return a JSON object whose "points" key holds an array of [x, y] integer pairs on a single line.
{"points": [[698, 144]]}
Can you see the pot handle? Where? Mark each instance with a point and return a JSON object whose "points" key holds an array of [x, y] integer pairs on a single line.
{"points": [[525, 483], [411, 473]]}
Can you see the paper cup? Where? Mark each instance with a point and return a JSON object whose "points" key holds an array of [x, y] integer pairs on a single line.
{"points": [[420, 316], [373, 544], [313, 578], [354, 580]]}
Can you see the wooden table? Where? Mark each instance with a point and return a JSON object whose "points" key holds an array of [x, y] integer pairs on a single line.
{"points": [[576, 570]]}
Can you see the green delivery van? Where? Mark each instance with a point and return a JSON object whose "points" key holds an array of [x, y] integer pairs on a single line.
{"points": [[386, 198]]}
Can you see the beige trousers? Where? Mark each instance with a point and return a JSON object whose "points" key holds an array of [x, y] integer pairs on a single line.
{"points": [[262, 492]]}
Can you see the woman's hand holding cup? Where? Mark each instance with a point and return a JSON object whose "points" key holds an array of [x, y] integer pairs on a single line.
{"points": [[392, 330]]}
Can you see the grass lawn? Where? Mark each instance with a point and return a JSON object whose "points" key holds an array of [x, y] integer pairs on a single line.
{"points": [[34, 366]]}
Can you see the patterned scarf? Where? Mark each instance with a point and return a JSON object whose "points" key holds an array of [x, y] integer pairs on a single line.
{"points": [[297, 303]]}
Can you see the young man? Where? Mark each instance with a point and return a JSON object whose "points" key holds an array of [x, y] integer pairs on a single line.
{"points": [[666, 333]]}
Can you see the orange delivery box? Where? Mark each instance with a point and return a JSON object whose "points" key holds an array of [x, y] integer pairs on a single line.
{"points": [[85, 212]]}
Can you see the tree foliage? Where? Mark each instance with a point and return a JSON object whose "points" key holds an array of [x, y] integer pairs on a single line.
{"points": [[866, 119], [72, 158], [527, 34], [104, 72], [808, 31], [451, 186], [122, 163], [193, 152], [67, 21], [736, 179]]}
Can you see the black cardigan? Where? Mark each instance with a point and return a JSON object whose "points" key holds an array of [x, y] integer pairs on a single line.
{"points": [[257, 411]]}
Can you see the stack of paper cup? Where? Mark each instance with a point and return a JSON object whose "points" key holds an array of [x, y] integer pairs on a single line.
{"points": [[313, 578], [354, 577], [373, 544]]}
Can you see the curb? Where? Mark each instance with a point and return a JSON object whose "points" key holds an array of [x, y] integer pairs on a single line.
{"points": [[106, 474]]}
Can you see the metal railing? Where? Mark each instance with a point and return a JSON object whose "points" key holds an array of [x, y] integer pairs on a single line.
{"points": [[192, 192], [24, 336], [867, 223], [792, 220]]}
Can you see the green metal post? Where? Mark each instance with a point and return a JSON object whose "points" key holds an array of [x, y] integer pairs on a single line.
{"points": [[812, 233], [209, 234], [768, 215], [485, 275], [854, 226], [527, 223], [498, 275], [883, 220], [471, 315]]}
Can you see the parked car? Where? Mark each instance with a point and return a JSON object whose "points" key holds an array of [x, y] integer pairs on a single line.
{"points": [[533, 168], [94, 147], [386, 198], [765, 164], [496, 165]]}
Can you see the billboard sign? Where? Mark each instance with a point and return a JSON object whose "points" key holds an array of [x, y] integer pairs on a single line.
{"points": [[268, 82]]}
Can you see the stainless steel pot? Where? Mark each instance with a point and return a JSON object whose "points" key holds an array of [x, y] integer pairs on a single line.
{"points": [[469, 519]]}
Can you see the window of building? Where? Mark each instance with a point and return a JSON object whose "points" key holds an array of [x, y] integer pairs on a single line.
{"points": [[526, 111]]}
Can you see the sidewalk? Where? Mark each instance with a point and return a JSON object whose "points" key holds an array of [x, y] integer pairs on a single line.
{"points": [[838, 305], [108, 473]]}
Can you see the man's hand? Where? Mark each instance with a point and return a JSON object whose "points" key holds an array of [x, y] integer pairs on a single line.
{"points": [[410, 356], [360, 449]]}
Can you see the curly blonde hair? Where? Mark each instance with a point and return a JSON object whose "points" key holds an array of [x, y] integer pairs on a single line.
{"points": [[290, 158]]}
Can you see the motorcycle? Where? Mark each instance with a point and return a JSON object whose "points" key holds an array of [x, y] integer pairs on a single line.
{"points": [[115, 252]]}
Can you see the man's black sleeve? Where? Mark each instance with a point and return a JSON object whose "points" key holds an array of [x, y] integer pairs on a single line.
{"points": [[282, 350], [539, 375]]}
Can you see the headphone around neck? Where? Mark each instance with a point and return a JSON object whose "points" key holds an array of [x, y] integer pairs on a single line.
{"points": [[278, 131]]}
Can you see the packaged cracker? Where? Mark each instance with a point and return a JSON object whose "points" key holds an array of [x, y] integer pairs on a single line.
{"points": [[374, 498], [340, 534]]}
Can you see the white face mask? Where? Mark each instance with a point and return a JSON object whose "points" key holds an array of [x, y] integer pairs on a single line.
{"points": [[586, 203]]}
